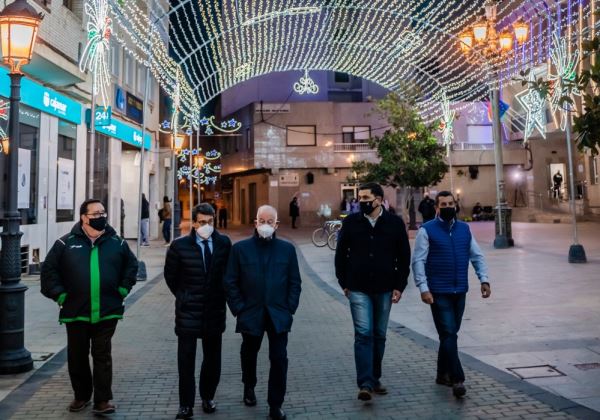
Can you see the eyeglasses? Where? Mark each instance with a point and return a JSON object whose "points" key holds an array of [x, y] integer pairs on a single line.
{"points": [[96, 215]]}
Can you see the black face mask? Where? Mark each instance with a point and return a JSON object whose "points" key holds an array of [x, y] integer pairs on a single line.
{"points": [[447, 213], [366, 207], [99, 223]]}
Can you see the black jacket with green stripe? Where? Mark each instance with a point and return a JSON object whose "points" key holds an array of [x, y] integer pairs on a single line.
{"points": [[89, 274]]}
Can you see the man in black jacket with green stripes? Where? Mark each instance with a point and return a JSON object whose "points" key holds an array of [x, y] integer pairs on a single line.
{"points": [[89, 272]]}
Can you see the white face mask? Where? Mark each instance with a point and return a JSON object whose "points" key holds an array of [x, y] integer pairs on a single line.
{"points": [[205, 231], [265, 231]]}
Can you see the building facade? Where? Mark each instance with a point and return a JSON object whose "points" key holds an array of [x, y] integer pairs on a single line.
{"points": [[54, 141]]}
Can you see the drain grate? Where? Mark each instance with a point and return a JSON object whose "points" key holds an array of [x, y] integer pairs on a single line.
{"points": [[587, 366], [540, 371]]}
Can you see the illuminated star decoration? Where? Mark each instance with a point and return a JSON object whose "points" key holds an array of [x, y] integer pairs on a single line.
{"points": [[201, 170], [306, 85], [4, 107], [447, 123], [95, 55], [532, 101], [564, 79]]}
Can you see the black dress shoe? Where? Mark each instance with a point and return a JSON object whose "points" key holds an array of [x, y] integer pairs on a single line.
{"points": [[249, 396], [277, 413], [185, 413], [209, 406], [459, 390]]}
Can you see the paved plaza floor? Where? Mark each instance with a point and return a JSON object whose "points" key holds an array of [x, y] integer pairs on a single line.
{"points": [[543, 311]]}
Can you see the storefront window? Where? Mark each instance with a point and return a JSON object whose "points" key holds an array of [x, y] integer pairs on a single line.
{"points": [[29, 124], [65, 180]]}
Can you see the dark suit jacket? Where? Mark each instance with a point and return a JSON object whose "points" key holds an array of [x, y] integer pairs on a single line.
{"points": [[199, 296], [262, 279]]}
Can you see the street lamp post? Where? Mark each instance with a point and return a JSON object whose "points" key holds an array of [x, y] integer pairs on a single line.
{"points": [[19, 23], [483, 40]]}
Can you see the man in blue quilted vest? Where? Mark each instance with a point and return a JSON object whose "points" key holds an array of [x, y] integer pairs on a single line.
{"points": [[443, 248]]}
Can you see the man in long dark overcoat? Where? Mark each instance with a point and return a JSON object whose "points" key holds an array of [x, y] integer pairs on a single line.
{"points": [[263, 291], [194, 270]]}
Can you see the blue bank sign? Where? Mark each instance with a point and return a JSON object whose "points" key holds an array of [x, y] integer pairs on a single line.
{"points": [[43, 99], [125, 132]]}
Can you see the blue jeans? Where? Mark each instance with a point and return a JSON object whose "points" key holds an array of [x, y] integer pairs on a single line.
{"points": [[447, 310], [144, 230], [370, 314], [166, 230]]}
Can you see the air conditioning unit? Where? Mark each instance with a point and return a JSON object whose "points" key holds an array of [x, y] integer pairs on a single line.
{"points": [[167, 162]]}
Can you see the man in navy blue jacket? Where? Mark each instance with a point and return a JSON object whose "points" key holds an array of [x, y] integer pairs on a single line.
{"points": [[372, 263], [262, 285], [443, 248]]}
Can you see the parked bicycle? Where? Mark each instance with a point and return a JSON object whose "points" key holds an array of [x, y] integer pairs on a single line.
{"points": [[320, 236]]}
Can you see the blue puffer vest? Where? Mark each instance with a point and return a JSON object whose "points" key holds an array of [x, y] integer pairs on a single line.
{"points": [[447, 267]]}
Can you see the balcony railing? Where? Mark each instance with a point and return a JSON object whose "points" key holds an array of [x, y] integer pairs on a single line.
{"points": [[352, 147], [457, 147]]}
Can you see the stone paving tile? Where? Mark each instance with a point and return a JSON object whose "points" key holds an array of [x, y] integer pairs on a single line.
{"points": [[321, 381]]}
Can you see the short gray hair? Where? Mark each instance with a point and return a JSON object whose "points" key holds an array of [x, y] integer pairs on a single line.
{"points": [[266, 207]]}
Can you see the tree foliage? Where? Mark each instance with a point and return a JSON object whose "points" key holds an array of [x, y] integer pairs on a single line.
{"points": [[409, 153]]}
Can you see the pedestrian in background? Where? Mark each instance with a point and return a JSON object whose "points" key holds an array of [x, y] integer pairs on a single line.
{"points": [[167, 217], [145, 222], [427, 208], [194, 269], [443, 248], [89, 272], [223, 216], [294, 211], [263, 287], [354, 206], [372, 262]]}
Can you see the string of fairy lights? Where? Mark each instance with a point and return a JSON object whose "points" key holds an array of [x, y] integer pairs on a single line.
{"points": [[217, 44]]}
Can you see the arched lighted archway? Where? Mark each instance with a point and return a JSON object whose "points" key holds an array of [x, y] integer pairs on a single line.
{"points": [[215, 44]]}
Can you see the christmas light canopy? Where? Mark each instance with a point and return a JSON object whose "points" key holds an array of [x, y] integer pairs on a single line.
{"points": [[214, 45]]}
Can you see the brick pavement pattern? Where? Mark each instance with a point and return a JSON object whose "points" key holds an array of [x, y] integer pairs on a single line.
{"points": [[321, 378]]}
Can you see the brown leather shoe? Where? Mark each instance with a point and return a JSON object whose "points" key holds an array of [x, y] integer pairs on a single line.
{"points": [[380, 390], [103, 407], [78, 405], [365, 394]]}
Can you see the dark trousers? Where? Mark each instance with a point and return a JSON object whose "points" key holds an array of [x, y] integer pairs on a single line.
{"points": [[210, 372], [79, 337], [166, 230], [223, 222], [447, 310], [277, 357], [294, 222]]}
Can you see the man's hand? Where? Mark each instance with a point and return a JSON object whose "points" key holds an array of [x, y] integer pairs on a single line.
{"points": [[427, 298], [485, 290], [396, 295], [346, 292]]}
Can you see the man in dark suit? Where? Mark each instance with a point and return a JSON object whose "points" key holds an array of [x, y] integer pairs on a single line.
{"points": [[263, 291], [372, 262], [194, 270]]}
